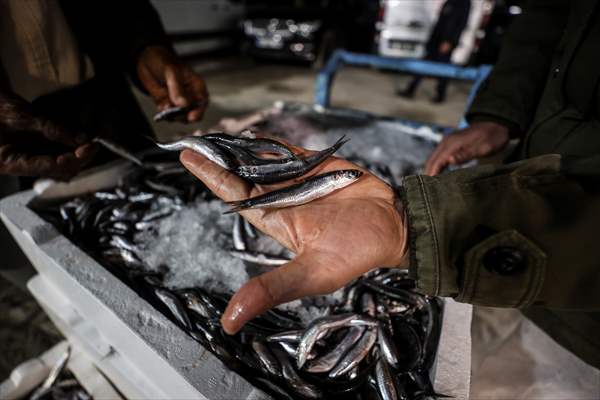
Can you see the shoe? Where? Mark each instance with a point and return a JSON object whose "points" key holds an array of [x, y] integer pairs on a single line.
{"points": [[438, 99]]}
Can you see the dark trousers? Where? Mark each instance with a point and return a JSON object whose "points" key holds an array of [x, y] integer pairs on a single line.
{"points": [[442, 83]]}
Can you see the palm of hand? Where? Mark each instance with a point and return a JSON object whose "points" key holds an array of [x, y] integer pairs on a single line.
{"points": [[336, 238]]}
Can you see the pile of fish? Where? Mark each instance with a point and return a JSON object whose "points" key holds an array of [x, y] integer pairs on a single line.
{"points": [[379, 342], [60, 384]]}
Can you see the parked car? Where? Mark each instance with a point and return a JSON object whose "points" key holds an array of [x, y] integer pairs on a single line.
{"points": [[403, 27], [201, 26], [308, 30]]}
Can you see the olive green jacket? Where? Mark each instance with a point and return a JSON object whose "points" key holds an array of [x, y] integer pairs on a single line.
{"points": [[526, 234]]}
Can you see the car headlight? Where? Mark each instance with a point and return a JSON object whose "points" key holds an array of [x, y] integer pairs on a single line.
{"points": [[308, 28]]}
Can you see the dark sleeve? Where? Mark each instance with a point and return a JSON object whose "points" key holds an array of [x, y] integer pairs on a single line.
{"points": [[114, 33], [516, 235], [514, 87]]}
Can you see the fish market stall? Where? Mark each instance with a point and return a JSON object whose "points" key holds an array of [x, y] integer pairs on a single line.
{"points": [[135, 264]]}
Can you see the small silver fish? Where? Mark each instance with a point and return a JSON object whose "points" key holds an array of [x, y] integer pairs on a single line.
{"points": [[327, 361], [193, 302], [238, 234], [385, 381], [266, 357], [317, 327], [118, 150], [201, 146], [260, 145], [367, 303], [292, 379], [356, 354], [249, 228], [300, 193], [287, 336], [175, 306], [387, 347], [282, 170], [259, 258]]}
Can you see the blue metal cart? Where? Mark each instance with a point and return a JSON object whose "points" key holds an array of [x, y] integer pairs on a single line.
{"points": [[413, 66]]}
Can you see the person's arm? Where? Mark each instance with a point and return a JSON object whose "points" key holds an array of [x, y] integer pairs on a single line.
{"points": [[129, 37], [512, 236], [32, 145], [506, 102], [517, 235], [512, 91]]}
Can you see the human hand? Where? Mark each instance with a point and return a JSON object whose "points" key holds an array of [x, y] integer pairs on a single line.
{"points": [[171, 83], [478, 140], [336, 238], [31, 145]]}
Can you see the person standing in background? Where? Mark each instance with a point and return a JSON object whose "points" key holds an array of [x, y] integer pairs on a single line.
{"points": [[444, 38], [65, 68]]}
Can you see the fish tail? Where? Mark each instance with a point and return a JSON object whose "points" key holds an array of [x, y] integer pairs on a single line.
{"points": [[236, 206], [340, 142]]}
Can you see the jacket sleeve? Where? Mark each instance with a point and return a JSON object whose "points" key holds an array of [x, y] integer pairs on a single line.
{"points": [[114, 34], [517, 235], [515, 85]]}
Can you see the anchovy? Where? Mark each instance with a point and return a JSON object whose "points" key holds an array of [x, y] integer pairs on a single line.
{"points": [[174, 113], [122, 256], [121, 242], [259, 258], [385, 381], [287, 336], [260, 145], [238, 236], [292, 379], [327, 361], [387, 347], [266, 357], [175, 306], [367, 303], [161, 187], [201, 146], [356, 354], [300, 193], [142, 197], [320, 325], [249, 229], [397, 294], [280, 171], [193, 302], [119, 150], [243, 156]]}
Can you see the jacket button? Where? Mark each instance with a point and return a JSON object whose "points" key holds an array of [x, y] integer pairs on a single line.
{"points": [[504, 260]]}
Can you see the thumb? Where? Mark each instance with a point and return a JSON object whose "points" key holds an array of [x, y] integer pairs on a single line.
{"points": [[299, 278]]}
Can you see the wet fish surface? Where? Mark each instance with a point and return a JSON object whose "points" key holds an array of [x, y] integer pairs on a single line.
{"points": [[300, 193]]}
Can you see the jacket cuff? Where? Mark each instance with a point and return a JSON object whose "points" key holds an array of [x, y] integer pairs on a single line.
{"points": [[423, 243], [460, 248]]}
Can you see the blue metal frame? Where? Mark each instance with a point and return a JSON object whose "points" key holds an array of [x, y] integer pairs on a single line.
{"points": [[413, 66]]}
